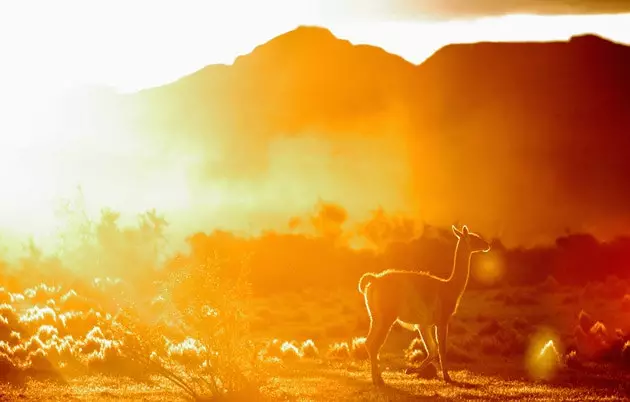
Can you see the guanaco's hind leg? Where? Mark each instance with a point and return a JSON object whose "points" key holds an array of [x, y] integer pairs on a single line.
{"points": [[379, 329], [427, 338]]}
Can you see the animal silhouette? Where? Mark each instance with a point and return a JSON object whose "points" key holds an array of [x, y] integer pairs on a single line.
{"points": [[418, 301]]}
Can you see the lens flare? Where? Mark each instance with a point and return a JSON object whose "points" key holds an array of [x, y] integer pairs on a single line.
{"points": [[489, 268], [543, 357]]}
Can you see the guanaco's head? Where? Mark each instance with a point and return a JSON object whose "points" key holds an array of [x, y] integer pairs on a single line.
{"points": [[473, 241]]}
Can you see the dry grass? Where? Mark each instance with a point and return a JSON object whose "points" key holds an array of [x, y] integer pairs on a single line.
{"points": [[488, 340], [321, 381]]}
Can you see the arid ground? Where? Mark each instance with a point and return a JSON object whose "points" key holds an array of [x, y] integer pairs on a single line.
{"points": [[493, 338]]}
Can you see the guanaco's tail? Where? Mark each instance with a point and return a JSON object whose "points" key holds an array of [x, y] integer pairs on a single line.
{"points": [[365, 280]]}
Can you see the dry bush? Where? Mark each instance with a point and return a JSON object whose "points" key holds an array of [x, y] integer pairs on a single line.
{"points": [[309, 349], [625, 354], [197, 337], [290, 351], [271, 350], [595, 342], [589, 345], [276, 350], [212, 311], [415, 352], [358, 350], [339, 350], [572, 360]]}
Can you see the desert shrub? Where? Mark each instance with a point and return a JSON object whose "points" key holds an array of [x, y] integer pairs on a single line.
{"points": [[595, 342], [590, 346], [309, 349], [572, 360], [625, 354], [290, 351], [339, 350], [415, 352], [357, 349], [284, 351], [211, 310]]}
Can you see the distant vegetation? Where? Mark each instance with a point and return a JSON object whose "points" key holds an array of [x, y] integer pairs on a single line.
{"points": [[291, 262]]}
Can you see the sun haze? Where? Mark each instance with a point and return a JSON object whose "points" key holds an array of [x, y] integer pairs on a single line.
{"points": [[130, 46], [254, 200]]}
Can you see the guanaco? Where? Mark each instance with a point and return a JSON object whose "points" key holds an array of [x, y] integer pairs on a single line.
{"points": [[418, 301]]}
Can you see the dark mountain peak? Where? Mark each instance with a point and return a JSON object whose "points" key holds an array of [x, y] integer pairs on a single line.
{"points": [[505, 50], [307, 33], [589, 38], [587, 53], [302, 40]]}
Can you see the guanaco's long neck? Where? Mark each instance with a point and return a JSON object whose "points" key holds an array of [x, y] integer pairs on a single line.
{"points": [[461, 271]]}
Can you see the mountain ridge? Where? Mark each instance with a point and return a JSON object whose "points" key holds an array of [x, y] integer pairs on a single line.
{"points": [[527, 113]]}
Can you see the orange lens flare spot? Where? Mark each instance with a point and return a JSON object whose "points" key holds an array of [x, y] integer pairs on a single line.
{"points": [[543, 357]]}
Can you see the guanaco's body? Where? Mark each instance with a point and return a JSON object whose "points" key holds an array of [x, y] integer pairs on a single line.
{"points": [[418, 301]]}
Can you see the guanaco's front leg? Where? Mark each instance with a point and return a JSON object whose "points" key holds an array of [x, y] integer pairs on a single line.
{"points": [[442, 332]]}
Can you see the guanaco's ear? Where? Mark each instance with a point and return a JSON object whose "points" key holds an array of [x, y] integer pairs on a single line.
{"points": [[465, 230], [456, 232]]}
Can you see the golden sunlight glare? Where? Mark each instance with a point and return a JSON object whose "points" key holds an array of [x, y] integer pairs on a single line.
{"points": [[239, 200], [543, 359]]}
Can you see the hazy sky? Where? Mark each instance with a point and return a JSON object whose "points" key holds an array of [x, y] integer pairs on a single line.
{"points": [[130, 44], [136, 43]]}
